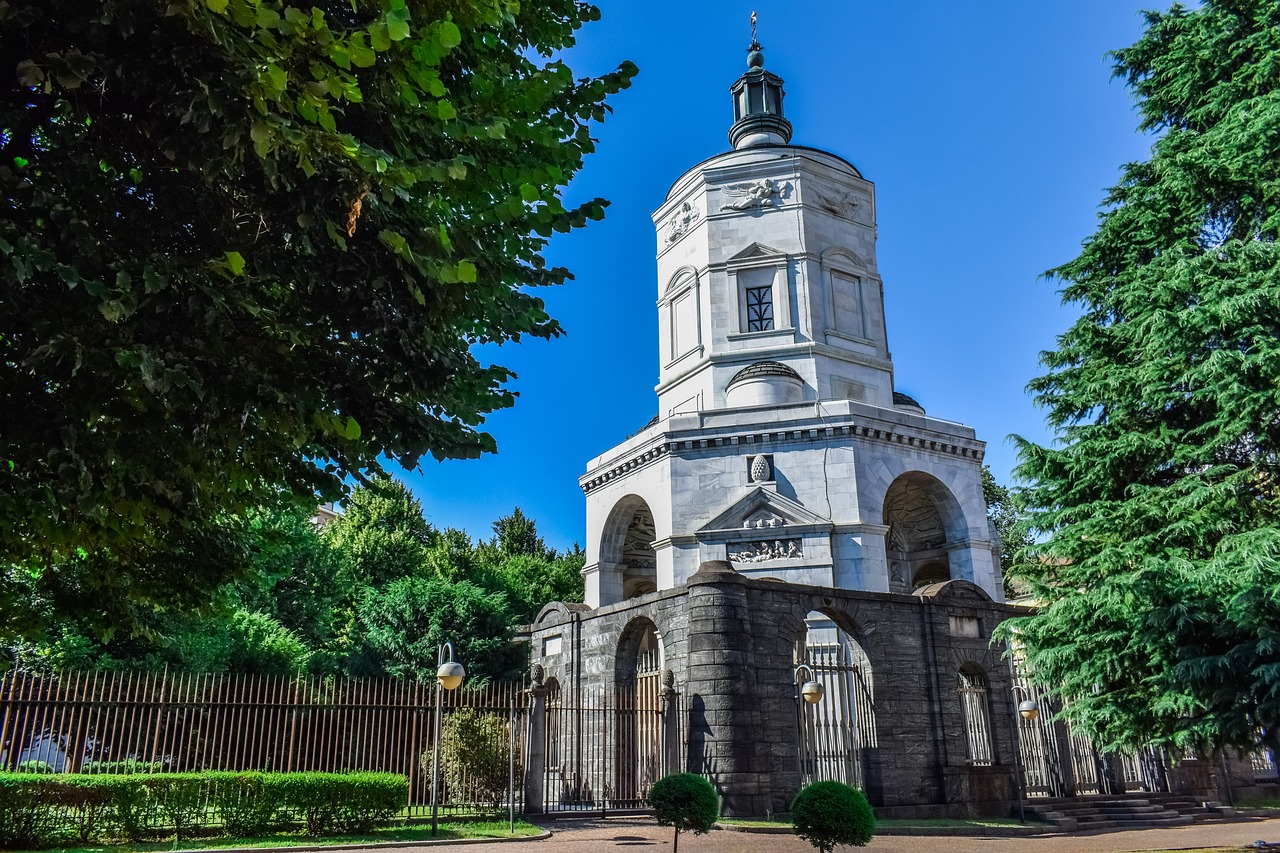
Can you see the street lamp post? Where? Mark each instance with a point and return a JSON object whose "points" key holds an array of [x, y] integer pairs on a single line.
{"points": [[449, 675], [1028, 709], [811, 691]]}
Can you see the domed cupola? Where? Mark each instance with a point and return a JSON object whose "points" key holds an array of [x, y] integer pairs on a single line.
{"points": [[757, 103]]}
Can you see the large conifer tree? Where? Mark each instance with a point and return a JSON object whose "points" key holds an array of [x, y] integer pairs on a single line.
{"points": [[1157, 508]]}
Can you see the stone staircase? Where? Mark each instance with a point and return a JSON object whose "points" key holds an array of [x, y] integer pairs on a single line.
{"points": [[1098, 812]]}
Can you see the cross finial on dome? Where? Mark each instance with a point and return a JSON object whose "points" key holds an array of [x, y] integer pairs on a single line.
{"points": [[755, 59], [757, 102]]}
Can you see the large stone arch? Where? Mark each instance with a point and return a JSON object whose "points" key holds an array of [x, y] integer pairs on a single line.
{"points": [[926, 525], [628, 561], [844, 721]]}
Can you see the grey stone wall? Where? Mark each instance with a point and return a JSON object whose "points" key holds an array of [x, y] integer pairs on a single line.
{"points": [[728, 641]]}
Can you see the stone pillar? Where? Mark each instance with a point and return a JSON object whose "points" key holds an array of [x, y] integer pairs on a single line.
{"points": [[670, 724], [1111, 779], [535, 759], [1065, 767], [720, 687]]}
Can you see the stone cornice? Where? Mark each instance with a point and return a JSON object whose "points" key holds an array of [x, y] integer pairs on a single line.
{"points": [[764, 440]]}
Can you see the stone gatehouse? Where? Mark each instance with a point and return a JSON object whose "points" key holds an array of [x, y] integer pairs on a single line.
{"points": [[731, 643]]}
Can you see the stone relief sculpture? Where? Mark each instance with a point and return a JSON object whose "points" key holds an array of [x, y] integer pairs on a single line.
{"points": [[763, 193], [842, 204], [759, 552], [681, 221], [914, 521], [637, 547]]}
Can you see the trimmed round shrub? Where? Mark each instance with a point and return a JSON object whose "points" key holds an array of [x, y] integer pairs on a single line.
{"points": [[686, 801], [829, 813]]}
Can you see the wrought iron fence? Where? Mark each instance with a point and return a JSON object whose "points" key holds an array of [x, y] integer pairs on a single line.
{"points": [[605, 750], [172, 722]]}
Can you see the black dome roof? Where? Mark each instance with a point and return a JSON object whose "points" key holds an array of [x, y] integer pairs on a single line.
{"points": [[900, 399], [765, 368]]}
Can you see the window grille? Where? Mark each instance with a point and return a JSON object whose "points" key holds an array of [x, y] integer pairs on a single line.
{"points": [[972, 688], [759, 309]]}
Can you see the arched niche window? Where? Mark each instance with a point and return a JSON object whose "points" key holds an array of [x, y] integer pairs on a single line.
{"points": [[681, 316], [976, 708]]}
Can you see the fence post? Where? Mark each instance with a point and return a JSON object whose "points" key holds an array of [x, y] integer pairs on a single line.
{"points": [[670, 724], [536, 745]]}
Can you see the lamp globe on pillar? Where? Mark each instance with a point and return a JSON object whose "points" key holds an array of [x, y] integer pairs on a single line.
{"points": [[450, 675], [812, 691], [1028, 709]]}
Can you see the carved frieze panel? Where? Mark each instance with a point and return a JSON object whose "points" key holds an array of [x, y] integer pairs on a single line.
{"points": [[842, 203], [766, 549], [756, 194], [685, 217]]}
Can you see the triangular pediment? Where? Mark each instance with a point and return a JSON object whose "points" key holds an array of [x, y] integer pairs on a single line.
{"points": [[757, 251], [762, 509]]}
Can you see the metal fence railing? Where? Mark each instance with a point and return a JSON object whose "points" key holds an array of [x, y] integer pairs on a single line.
{"points": [[172, 722]]}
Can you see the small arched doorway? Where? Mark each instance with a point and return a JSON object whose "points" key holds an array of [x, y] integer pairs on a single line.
{"points": [[837, 732], [638, 714]]}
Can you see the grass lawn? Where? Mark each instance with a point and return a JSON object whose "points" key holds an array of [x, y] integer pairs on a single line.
{"points": [[894, 823], [415, 832], [1264, 803]]}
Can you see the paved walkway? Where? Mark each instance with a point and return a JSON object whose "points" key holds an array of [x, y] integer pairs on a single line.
{"points": [[642, 833]]}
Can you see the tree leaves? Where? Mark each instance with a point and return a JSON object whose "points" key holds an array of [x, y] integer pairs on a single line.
{"points": [[1157, 510], [191, 214]]}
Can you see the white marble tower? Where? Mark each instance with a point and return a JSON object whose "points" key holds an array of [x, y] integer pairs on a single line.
{"points": [[780, 443]]}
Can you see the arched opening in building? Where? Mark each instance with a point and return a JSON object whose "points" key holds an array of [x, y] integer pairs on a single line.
{"points": [[837, 732], [628, 562], [924, 520], [559, 776], [638, 746], [975, 706]]}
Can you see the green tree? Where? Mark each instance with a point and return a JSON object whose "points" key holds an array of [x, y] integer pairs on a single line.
{"points": [[452, 556], [405, 624], [380, 537], [475, 756], [1006, 516], [531, 583], [827, 814], [293, 575], [1159, 570], [685, 801], [248, 247]]}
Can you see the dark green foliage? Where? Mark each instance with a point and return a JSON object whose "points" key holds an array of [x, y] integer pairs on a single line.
{"points": [[475, 755], [1158, 507], [124, 766], [407, 623], [685, 801], [35, 766], [1007, 518], [40, 811], [381, 536], [247, 248], [312, 600], [827, 814]]}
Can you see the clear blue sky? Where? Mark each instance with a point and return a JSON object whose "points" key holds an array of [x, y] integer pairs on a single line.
{"points": [[990, 130]]}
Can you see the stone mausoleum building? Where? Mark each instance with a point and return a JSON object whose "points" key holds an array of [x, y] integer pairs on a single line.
{"points": [[787, 506]]}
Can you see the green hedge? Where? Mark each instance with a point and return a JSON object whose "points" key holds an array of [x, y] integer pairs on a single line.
{"points": [[46, 810]]}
